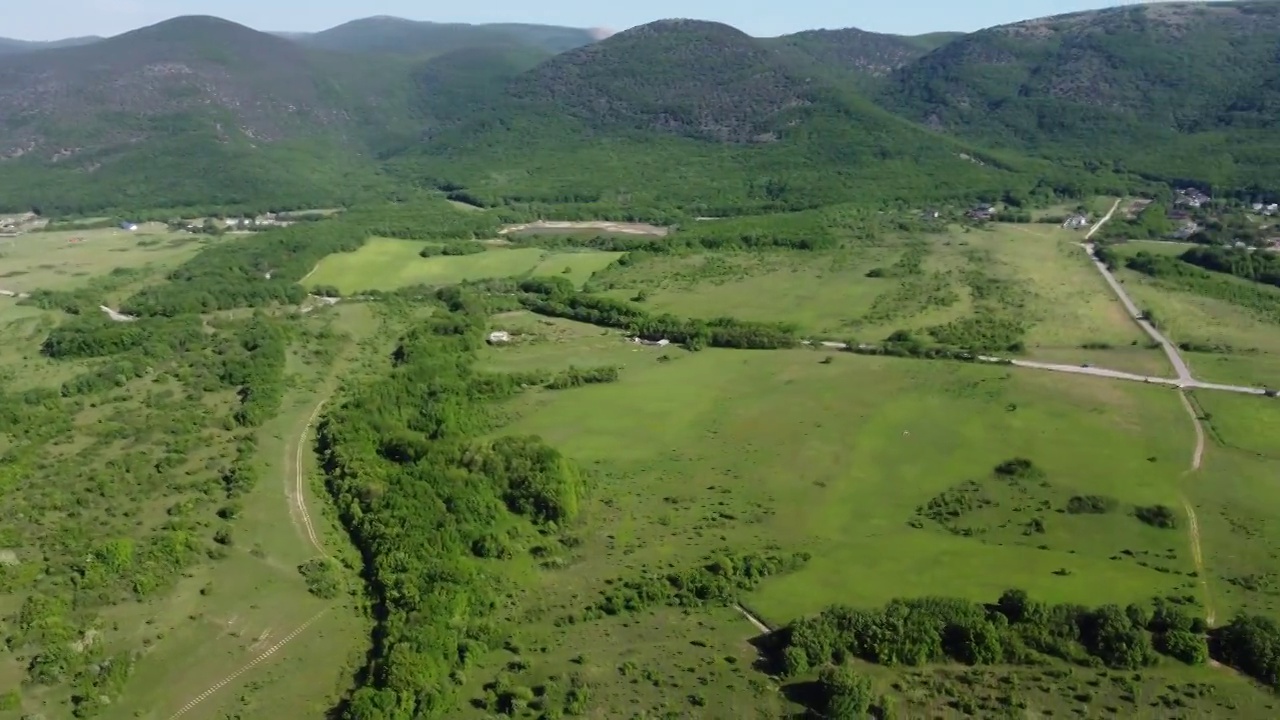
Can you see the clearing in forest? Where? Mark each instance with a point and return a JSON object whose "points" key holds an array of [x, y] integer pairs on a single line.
{"points": [[67, 259], [387, 264], [584, 227]]}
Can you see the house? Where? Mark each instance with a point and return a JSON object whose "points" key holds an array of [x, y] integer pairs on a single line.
{"points": [[499, 336], [982, 212], [128, 226], [1076, 222], [1190, 197]]}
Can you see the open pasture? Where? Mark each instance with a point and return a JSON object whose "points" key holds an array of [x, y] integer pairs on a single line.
{"points": [[63, 260], [778, 448], [1073, 316], [1237, 344], [387, 264], [1033, 279], [883, 469]]}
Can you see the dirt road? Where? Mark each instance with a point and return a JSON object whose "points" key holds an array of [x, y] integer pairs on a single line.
{"points": [[298, 509], [299, 497], [1193, 524]]}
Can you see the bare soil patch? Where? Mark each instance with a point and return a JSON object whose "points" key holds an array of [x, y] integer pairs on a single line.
{"points": [[554, 226]]}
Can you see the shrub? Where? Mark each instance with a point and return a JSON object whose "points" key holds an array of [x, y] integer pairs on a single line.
{"points": [[1090, 505], [1160, 516]]}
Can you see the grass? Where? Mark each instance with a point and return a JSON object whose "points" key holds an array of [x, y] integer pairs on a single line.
{"points": [[1035, 274], [702, 452], [49, 260], [1254, 344], [826, 294], [237, 609], [1070, 304], [386, 264], [219, 615]]}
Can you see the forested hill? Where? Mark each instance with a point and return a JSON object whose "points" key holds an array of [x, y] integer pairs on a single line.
{"points": [[867, 57], [192, 111], [9, 46], [697, 114], [1178, 90], [397, 36]]}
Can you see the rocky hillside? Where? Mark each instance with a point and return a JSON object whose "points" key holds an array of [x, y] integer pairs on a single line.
{"points": [[1146, 85], [688, 77]]}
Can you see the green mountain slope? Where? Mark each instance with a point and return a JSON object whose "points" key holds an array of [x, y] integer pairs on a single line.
{"points": [[188, 112], [1175, 90], [697, 115], [865, 56], [11, 47], [397, 36]]}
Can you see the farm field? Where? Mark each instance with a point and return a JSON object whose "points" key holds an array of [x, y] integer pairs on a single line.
{"points": [[387, 264], [696, 454], [51, 261]]}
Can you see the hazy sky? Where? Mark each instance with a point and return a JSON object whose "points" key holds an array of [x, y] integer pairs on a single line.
{"points": [[52, 19]]}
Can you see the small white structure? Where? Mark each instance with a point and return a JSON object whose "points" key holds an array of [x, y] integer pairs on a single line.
{"points": [[499, 336]]}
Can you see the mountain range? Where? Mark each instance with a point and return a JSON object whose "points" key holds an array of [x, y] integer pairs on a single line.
{"points": [[198, 111]]}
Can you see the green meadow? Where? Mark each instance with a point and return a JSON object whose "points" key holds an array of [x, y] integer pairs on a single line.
{"points": [[387, 264], [694, 454]]}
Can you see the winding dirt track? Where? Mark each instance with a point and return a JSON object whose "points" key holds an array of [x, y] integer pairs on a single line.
{"points": [[299, 498], [1193, 525], [1184, 381], [299, 505]]}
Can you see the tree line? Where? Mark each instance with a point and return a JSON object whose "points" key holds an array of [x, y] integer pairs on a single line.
{"points": [[1017, 630], [424, 495], [556, 297]]}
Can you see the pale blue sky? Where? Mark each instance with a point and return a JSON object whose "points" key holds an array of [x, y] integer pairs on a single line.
{"points": [[52, 19]]}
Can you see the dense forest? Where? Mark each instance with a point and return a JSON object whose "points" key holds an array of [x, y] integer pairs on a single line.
{"points": [[1176, 92]]}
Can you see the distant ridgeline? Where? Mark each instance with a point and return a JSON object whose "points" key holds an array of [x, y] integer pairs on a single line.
{"points": [[675, 116]]}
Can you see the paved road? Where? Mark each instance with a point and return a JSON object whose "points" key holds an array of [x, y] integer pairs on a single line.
{"points": [[1185, 378], [1170, 350]]}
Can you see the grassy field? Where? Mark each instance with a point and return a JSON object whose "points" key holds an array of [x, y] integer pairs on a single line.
{"points": [[1069, 304], [696, 453], [50, 260], [1036, 275], [385, 264], [689, 456], [1250, 343]]}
